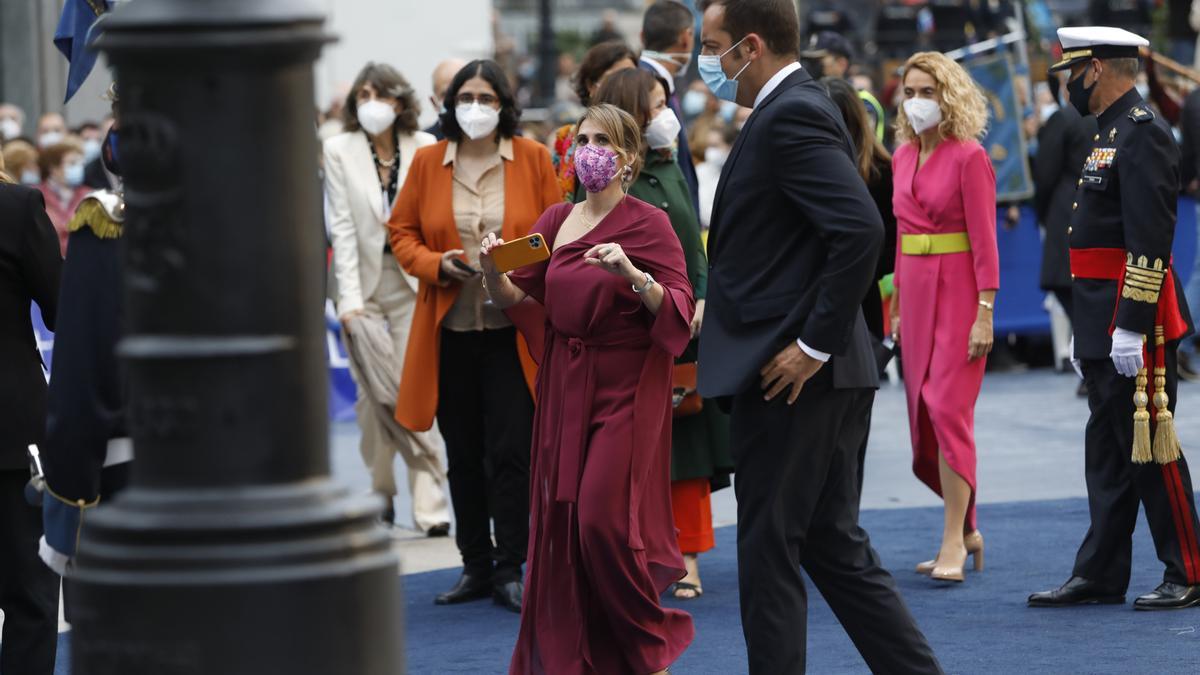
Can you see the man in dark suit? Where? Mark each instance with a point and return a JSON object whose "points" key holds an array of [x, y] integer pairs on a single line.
{"points": [[30, 266], [669, 36], [793, 245]]}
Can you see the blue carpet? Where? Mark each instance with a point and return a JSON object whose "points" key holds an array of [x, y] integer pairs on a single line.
{"points": [[982, 626]]}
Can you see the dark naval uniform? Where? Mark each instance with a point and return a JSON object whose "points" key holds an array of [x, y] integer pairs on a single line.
{"points": [[86, 453], [1121, 232]]}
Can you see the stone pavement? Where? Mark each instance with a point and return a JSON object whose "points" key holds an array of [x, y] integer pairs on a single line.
{"points": [[1029, 431]]}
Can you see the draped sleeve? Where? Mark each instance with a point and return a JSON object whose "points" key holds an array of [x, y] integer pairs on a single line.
{"points": [[978, 183], [655, 248]]}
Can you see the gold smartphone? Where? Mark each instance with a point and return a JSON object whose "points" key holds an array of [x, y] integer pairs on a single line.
{"points": [[520, 252]]}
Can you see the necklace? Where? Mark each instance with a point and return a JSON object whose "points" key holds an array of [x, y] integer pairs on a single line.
{"points": [[393, 180], [587, 222]]}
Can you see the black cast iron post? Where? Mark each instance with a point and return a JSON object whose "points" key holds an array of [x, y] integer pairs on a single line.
{"points": [[232, 552]]}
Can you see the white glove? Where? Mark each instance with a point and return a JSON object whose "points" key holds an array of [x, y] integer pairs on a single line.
{"points": [[1127, 351], [1074, 361]]}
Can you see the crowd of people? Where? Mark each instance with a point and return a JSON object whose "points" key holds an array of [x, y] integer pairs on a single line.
{"points": [[694, 269]]}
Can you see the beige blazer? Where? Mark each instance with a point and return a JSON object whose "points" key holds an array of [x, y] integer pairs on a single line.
{"points": [[358, 214]]}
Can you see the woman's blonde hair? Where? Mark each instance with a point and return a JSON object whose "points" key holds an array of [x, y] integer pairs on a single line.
{"points": [[622, 130], [4, 177], [964, 106]]}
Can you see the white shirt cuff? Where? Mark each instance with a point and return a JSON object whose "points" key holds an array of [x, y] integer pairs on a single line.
{"points": [[820, 356]]}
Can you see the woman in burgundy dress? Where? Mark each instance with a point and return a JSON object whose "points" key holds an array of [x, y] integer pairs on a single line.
{"points": [[618, 308]]}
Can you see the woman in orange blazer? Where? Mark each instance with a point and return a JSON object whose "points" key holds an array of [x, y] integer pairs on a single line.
{"points": [[465, 363]]}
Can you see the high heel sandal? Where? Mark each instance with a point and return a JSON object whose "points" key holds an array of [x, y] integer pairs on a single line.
{"points": [[974, 544]]}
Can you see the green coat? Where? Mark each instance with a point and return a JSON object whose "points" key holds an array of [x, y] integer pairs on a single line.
{"points": [[699, 443]]}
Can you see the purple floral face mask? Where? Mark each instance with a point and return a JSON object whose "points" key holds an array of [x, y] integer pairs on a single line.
{"points": [[595, 166]]}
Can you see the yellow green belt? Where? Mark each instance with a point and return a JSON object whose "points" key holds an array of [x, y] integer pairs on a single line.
{"points": [[934, 244]]}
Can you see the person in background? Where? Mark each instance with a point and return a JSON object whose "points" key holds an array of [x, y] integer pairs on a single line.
{"points": [[90, 138], [12, 122], [62, 187], [465, 363], [96, 174], [1063, 142], [700, 459], [1189, 128], [364, 169], [600, 61], [717, 144], [1181, 32], [668, 39], [51, 130], [874, 164], [836, 54], [607, 32], [30, 268], [443, 74], [618, 309], [21, 158], [947, 274]]}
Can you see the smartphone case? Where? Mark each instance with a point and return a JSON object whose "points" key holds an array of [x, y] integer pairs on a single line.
{"points": [[520, 252]]}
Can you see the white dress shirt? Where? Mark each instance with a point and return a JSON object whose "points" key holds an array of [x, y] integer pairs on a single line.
{"points": [[663, 73]]}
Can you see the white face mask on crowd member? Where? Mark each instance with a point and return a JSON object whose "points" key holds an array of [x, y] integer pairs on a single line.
{"points": [[475, 120], [375, 116], [9, 129], [73, 174], [30, 177], [716, 156], [50, 138], [91, 149], [684, 61], [663, 130], [923, 113]]}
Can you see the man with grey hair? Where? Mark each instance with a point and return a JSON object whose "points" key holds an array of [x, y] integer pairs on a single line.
{"points": [[1128, 321], [443, 74]]}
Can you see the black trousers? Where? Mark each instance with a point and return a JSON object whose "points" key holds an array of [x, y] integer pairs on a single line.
{"points": [[797, 493], [28, 589], [1116, 486], [485, 414]]}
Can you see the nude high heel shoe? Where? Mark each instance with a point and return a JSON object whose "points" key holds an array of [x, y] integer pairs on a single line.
{"points": [[974, 544]]}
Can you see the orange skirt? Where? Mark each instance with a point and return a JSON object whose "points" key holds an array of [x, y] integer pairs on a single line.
{"points": [[691, 502]]}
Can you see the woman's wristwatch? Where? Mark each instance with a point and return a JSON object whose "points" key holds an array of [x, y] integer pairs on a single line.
{"points": [[645, 287]]}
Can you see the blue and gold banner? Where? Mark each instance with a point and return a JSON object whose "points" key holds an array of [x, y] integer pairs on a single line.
{"points": [[1004, 142]]}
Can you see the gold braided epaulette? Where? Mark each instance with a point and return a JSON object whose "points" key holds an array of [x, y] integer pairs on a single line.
{"points": [[1143, 281], [92, 214]]}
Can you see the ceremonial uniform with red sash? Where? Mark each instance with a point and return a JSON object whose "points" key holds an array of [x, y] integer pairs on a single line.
{"points": [[1122, 228]]}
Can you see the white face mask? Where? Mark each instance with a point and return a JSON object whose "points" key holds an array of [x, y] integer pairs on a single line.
{"points": [[684, 61], [9, 129], [376, 116], [91, 149], [50, 138], [30, 177], [715, 156], [662, 130], [923, 113], [477, 121]]}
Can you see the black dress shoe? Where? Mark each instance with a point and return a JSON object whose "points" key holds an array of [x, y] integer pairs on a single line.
{"points": [[1169, 596], [388, 516], [508, 595], [439, 530], [1077, 591], [468, 588]]}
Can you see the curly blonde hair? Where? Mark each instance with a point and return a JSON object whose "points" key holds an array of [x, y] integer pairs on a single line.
{"points": [[964, 106]]}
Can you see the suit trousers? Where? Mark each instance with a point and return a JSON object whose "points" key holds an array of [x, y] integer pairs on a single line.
{"points": [[28, 589], [797, 493], [485, 412], [1116, 486], [382, 439]]}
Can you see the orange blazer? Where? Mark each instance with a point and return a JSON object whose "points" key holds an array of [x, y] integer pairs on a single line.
{"points": [[422, 227]]}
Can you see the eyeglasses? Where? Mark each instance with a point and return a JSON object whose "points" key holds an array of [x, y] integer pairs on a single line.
{"points": [[482, 99]]}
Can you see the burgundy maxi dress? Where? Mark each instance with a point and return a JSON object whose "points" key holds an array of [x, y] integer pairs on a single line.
{"points": [[602, 544]]}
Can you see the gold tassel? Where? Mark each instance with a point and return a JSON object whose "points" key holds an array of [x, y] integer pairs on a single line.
{"points": [[1167, 448], [92, 214], [1142, 453]]}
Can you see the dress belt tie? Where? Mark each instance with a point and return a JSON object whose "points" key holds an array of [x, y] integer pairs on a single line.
{"points": [[934, 244]]}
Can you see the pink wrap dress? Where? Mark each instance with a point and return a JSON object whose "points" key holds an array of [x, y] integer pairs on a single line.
{"points": [[602, 545], [954, 191]]}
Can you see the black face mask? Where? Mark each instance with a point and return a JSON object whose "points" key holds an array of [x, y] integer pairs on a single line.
{"points": [[1080, 95]]}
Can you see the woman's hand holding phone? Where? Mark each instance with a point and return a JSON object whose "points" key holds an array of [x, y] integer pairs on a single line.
{"points": [[452, 272], [490, 242]]}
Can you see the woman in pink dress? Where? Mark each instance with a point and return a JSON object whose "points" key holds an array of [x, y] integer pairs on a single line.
{"points": [[618, 309], [947, 273]]}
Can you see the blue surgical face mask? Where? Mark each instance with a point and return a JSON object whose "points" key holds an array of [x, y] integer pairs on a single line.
{"points": [[713, 74], [693, 103], [30, 177], [91, 149], [73, 174]]}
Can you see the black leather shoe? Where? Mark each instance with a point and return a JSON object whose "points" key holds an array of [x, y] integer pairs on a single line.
{"points": [[468, 588], [508, 595], [1077, 591], [1169, 596], [388, 516], [439, 530]]}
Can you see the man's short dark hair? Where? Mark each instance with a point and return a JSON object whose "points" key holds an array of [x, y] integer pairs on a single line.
{"points": [[664, 22], [510, 114], [775, 21]]}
